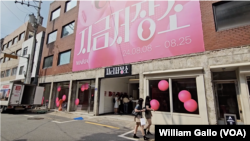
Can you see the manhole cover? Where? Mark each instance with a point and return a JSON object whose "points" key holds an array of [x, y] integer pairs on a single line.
{"points": [[35, 118]]}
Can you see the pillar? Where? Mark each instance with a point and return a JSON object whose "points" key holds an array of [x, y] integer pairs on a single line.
{"points": [[50, 95], [69, 96], [96, 98]]}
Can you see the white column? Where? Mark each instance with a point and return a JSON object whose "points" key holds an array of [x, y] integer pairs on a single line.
{"points": [[50, 95], [69, 96], [96, 99]]}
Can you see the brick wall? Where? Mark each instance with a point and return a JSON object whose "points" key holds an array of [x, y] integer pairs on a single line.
{"points": [[61, 44], [222, 39]]}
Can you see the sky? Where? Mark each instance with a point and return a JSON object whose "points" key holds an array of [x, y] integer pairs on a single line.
{"points": [[13, 15]]}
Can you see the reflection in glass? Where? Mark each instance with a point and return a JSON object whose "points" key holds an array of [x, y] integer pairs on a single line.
{"points": [[64, 58], [68, 29]]}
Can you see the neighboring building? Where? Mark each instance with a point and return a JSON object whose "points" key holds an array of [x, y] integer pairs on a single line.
{"points": [[12, 44], [203, 49], [23, 62]]}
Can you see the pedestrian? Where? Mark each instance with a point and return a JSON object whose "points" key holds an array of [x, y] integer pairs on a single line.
{"points": [[125, 104], [139, 110], [121, 104], [148, 114], [116, 105]]}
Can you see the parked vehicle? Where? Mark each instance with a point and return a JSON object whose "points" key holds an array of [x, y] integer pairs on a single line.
{"points": [[23, 97]]}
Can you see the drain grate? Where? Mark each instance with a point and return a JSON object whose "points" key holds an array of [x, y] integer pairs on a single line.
{"points": [[36, 118]]}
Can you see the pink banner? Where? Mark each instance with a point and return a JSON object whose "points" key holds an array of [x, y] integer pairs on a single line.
{"points": [[118, 32]]}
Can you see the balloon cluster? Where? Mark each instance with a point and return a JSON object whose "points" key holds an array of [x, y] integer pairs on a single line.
{"points": [[58, 101], [189, 104], [84, 87]]}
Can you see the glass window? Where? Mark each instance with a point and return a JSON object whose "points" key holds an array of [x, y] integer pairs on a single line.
{"points": [[226, 75], [52, 36], [31, 34], [18, 52], [231, 14], [21, 36], [15, 40], [4, 46], [13, 72], [55, 14], [2, 74], [64, 58], [70, 4], [25, 51], [185, 85], [21, 70], [161, 96], [9, 43], [68, 29], [7, 73], [1, 60], [48, 62]]}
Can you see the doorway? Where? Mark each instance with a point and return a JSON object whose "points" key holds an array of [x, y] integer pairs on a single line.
{"points": [[226, 90], [134, 91]]}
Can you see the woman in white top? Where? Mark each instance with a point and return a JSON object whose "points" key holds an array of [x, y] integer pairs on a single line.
{"points": [[116, 106]]}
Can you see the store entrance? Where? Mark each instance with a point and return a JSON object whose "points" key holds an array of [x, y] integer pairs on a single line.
{"points": [[134, 92]]}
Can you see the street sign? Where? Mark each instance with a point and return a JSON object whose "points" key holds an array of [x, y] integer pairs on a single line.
{"points": [[230, 119], [10, 56]]}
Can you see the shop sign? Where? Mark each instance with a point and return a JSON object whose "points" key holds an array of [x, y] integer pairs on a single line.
{"points": [[120, 32], [230, 119], [118, 71], [5, 86]]}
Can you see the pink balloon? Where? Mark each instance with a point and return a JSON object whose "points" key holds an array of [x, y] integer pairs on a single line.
{"points": [[163, 85], [59, 89], [103, 57], [77, 101], [135, 41], [83, 87], [57, 104], [42, 103], [86, 86], [64, 97], [184, 95], [154, 104], [190, 105], [57, 99]]}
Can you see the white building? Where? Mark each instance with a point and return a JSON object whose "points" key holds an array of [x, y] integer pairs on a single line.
{"points": [[23, 62]]}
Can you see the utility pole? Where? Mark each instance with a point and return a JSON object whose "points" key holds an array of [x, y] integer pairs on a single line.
{"points": [[35, 23]]}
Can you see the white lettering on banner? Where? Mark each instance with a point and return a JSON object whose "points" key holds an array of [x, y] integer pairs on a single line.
{"points": [[173, 22], [117, 70]]}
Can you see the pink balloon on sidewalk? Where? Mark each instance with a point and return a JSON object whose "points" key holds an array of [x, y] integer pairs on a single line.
{"points": [[190, 105], [154, 104], [163, 85], [57, 99], [57, 104], [184, 95], [77, 101]]}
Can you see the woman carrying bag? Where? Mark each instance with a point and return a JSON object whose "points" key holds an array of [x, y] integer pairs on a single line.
{"points": [[139, 120], [148, 114]]}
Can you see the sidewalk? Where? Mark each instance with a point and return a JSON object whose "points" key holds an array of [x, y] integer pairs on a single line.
{"points": [[121, 121]]}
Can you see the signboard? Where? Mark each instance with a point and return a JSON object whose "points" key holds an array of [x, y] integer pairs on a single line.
{"points": [[5, 86], [230, 119], [118, 71], [16, 93], [121, 32], [10, 56]]}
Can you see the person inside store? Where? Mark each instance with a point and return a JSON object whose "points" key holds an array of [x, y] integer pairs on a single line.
{"points": [[148, 114], [121, 104], [125, 103], [116, 105], [138, 109]]}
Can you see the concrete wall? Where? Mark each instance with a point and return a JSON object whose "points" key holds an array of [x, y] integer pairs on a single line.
{"points": [[106, 104]]}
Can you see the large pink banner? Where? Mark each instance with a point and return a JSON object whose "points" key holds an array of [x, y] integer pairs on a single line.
{"points": [[117, 32]]}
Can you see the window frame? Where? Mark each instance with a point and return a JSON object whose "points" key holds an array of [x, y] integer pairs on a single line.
{"points": [[53, 12], [9, 43], [2, 72], [65, 10], [13, 42], [20, 70], [48, 36], [20, 36], [12, 71], [20, 52], [58, 61], [7, 73], [26, 48], [44, 61], [1, 60], [65, 26], [5, 46]]}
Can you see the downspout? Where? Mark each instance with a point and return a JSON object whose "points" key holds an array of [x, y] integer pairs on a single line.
{"points": [[39, 60]]}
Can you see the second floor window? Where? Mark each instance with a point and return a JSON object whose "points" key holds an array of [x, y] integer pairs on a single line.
{"points": [[25, 51], [2, 74], [48, 62], [1, 60], [9, 43], [13, 72], [52, 36], [15, 40], [21, 36], [4, 46], [7, 73], [64, 58], [21, 70], [68, 29]]}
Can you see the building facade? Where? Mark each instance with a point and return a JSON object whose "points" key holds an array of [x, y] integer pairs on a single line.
{"points": [[111, 53]]}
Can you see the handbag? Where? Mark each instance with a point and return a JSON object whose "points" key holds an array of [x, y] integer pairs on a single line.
{"points": [[143, 121], [134, 113]]}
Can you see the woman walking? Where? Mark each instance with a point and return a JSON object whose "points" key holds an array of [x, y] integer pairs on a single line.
{"points": [[139, 110], [148, 114]]}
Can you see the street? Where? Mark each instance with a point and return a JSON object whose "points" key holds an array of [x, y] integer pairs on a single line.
{"points": [[37, 127]]}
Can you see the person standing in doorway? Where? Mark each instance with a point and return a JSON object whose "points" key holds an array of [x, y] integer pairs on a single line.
{"points": [[116, 105], [148, 114], [139, 110], [125, 104], [121, 104]]}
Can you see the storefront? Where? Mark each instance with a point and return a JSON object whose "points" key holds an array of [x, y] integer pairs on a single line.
{"points": [[118, 80], [46, 94], [172, 110]]}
